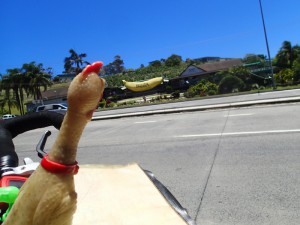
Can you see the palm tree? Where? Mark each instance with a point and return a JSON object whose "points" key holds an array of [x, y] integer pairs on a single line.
{"points": [[74, 63], [27, 80], [9, 101], [36, 77], [13, 81], [38, 81], [287, 55]]}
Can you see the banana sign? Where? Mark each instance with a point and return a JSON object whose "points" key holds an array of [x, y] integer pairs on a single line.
{"points": [[143, 86]]}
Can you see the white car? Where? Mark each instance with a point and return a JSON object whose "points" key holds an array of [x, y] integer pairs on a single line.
{"points": [[8, 116], [62, 107]]}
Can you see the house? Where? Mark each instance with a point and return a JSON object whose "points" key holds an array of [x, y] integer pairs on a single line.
{"points": [[193, 74], [52, 96], [57, 95]]}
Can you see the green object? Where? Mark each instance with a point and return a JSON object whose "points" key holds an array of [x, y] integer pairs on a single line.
{"points": [[8, 195]]}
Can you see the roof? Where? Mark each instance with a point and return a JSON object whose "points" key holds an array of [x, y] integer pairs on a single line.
{"points": [[55, 93], [208, 68], [221, 65]]}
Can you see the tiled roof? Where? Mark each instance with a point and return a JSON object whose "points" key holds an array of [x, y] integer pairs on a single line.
{"points": [[221, 65], [55, 93], [208, 68]]}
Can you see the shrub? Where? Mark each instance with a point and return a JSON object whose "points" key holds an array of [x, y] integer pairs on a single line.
{"points": [[230, 83], [202, 88], [169, 89], [102, 104], [111, 105], [284, 76], [188, 94], [175, 94], [212, 92]]}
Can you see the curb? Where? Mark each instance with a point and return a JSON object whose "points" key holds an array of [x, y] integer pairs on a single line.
{"points": [[200, 108]]}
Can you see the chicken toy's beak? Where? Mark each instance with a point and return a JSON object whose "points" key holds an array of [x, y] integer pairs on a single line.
{"points": [[94, 68]]}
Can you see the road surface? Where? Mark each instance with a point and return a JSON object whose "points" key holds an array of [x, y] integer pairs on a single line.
{"points": [[229, 166]]}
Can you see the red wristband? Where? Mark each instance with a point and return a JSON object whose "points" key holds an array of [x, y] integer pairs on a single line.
{"points": [[54, 167]]}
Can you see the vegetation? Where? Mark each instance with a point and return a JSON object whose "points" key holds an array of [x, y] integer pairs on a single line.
{"points": [[288, 57], [74, 64], [21, 82], [168, 68], [231, 83], [202, 88], [286, 72], [115, 67], [29, 80], [173, 60]]}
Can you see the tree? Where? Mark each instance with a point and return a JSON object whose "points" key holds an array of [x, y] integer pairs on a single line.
{"points": [[37, 78], [14, 81], [9, 101], [155, 63], [7, 98], [117, 66], [218, 76], [74, 64], [27, 80], [244, 74], [253, 58], [230, 84], [296, 69], [286, 55], [173, 60]]}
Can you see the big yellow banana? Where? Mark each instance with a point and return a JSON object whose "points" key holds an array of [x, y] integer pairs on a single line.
{"points": [[143, 86]]}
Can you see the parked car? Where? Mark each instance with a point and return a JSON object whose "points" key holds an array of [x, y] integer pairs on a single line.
{"points": [[8, 116], [61, 108]]}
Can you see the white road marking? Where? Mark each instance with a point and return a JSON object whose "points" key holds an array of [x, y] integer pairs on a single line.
{"points": [[246, 114], [146, 122], [239, 133]]}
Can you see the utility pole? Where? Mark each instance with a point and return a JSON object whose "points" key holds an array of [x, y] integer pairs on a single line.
{"points": [[267, 44]]}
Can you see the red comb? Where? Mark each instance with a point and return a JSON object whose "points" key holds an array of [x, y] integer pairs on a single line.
{"points": [[94, 68]]}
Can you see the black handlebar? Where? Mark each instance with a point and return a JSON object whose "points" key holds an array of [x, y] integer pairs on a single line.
{"points": [[9, 129], [33, 121]]}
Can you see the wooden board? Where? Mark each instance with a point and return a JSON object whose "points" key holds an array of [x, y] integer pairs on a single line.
{"points": [[120, 195]]}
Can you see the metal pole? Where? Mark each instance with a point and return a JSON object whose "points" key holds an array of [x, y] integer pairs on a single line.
{"points": [[266, 38]]}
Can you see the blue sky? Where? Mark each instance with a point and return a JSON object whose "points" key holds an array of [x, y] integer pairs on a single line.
{"points": [[140, 31]]}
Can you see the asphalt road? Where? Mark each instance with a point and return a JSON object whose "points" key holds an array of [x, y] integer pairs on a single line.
{"points": [[204, 103], [230, 166]]}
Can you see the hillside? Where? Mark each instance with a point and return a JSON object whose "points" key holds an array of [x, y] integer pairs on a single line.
{"points": [[145, 74]]}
